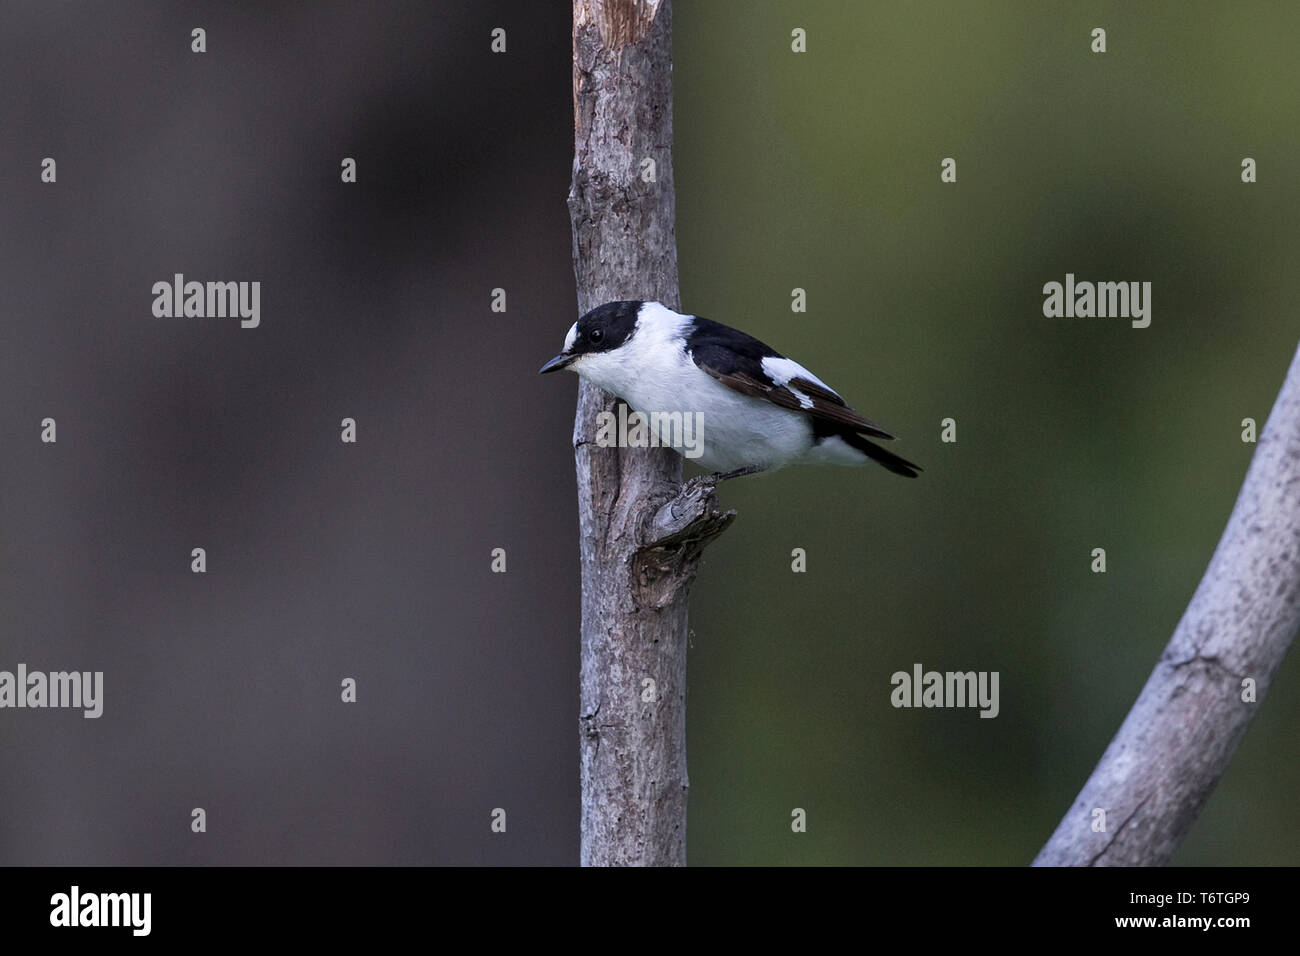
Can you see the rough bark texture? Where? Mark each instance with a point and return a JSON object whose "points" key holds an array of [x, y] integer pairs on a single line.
{"points": [[641, 533], [1176, 742]]}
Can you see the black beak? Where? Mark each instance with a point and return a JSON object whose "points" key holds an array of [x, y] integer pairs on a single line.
{"points": [[560, 361]]}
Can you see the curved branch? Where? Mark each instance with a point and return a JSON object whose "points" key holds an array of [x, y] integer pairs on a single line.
{"points": [[1176, 742]]}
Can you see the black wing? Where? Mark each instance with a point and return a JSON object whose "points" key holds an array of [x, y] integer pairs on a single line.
{"points": [[736, 360]]}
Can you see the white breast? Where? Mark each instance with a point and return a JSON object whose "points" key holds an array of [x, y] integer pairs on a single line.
{"points": [[653, 373]]}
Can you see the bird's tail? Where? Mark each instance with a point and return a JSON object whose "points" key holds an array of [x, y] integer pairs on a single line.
{"points": [[886, 459]]}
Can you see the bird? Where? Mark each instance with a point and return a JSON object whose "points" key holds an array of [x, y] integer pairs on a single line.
{"points": [[757, 410]]}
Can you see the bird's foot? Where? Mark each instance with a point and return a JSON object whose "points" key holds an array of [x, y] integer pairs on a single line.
{"points": [[711, 481], [704, 483]]}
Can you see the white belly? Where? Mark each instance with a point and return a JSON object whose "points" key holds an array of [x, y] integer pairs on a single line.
{"points": [[734, 430]]}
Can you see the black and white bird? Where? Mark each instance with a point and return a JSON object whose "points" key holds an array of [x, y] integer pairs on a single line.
{"points": [[758, 409]]}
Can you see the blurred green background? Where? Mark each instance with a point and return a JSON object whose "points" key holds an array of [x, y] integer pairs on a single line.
{"points": [[821, 171]]}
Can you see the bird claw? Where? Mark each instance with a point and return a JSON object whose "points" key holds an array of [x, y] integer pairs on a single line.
{"points": [[711, 481], [706, 482]]}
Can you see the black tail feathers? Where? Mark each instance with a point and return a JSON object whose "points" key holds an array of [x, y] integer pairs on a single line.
{"points": [[887, 459]]}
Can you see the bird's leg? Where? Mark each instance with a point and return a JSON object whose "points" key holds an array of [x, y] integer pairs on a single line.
{"points": [[712, 480], [736, 473]]}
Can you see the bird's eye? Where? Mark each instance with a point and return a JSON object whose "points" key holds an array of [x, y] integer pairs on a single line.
{"points": [[595, 335]]}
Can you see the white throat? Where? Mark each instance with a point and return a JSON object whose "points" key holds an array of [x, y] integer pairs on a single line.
{"points": [[643, 368]]}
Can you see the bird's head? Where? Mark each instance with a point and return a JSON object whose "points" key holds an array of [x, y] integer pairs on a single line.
{"points": [[591, 347]]}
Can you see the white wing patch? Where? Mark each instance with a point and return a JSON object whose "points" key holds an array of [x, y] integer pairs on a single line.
{"points": [[781, 370]]}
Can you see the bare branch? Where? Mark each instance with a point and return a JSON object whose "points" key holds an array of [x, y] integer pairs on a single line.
{"points": [[640, 533], [1176, 742]]}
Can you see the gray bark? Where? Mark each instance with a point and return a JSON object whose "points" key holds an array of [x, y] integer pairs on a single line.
{"points": [[640, 533], [1176, 742]]}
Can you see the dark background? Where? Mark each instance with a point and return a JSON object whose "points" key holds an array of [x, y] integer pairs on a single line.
{"points": [[372, 561]]}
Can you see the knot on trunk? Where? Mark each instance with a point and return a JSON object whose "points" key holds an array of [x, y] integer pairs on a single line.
{"points": [[664, 566]]}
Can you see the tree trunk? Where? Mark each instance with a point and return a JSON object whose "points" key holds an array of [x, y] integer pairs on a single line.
{"points": [[640, 533], [1176, 742]]}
